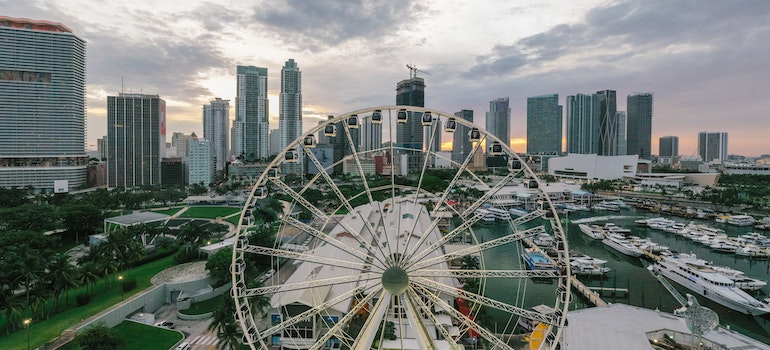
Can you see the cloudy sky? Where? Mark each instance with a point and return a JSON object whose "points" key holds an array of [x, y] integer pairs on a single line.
{"points": [[706, 61]]}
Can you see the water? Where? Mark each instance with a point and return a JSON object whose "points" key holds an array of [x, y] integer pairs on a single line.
{"points": [[645, 290], [626, 272]]}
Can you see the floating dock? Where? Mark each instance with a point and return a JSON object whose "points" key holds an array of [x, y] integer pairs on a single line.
{"points": [[592, 296]]}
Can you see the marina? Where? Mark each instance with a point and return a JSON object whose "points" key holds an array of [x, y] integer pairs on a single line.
{"points": [[643, 288]]}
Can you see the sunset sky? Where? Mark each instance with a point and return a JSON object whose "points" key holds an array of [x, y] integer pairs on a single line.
{"points": [[707, 62]]}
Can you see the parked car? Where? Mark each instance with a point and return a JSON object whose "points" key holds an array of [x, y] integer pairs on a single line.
{"points": [[165, 324]]}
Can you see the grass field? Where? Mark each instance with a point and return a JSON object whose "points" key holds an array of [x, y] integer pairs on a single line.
{"points": [[205, 306], [208, 212], [169, 211], [139, 336], [105, 294]]}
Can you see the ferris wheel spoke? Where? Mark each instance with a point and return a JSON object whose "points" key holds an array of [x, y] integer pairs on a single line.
{"points": [[331, 240], [428, 273], [317, 309], [475, 249], [458, 173], [480, 299], [287, 254], [346, 201], [338, 328], [323, 282], [492, 191], [413, 312], [416, 298], [466, 321], [415, 254]]}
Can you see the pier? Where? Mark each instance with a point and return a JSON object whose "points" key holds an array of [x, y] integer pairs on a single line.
{"points": [[610, 290], [592, 296]]}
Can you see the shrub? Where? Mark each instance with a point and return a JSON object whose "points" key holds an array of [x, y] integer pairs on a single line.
{"points": [[82, 299], [129, 285]]}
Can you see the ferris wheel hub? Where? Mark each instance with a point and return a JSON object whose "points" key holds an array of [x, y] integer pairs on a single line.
{"points": [[395, 280]]}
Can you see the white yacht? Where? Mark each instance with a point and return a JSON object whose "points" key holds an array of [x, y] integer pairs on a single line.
{"points": [[741, 220], [741, 280], [543, 240], [612, 228], [753, 251], [584, 265], [700, 277], [500, 214], [486, 215], [620, 243], [592, 231]]}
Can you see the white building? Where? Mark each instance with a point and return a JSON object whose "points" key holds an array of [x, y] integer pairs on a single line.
{"points": [[216, 127], [592, 166], [199, 162], [290, 112]]}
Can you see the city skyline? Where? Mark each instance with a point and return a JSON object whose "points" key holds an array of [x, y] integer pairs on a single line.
{"points": [[678, 51]]}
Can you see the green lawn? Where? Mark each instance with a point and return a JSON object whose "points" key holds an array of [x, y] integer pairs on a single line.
{"points": [[104, 296], [234, 219], [208, 212], [169, 211], [139, 336], [205, 306]]}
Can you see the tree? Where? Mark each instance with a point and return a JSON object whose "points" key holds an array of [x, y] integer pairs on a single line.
{"points": [[63, 276], [218, 265], [223, 322], [99, 337], [81, 217]]}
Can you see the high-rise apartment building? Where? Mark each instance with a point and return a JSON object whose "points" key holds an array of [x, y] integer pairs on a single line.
{"points": [[42, 105], [712, 146], [136, 137], [668, 146], [544, 116], [179, 142], [639, 131], [409, 135], [199, 162], [216, 129], [251, 128], [371, 135], [608, 122], [290, 115], [582, 124], [498, 121], [620, 133], [101, 148], [461, 144], [275, 141]]}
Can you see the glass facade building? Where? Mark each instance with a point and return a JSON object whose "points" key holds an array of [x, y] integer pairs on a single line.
{"points": [[639, 124], [498, 121], [608, 122], [582, 124], [409, 135], [251, 127], [544, 124], [290, 114], [712, 146], [461, 144], [136, 138], [42, 105], [216, 129]]}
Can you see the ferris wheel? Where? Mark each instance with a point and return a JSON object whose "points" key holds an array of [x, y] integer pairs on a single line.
{"points": [[387, 241]]}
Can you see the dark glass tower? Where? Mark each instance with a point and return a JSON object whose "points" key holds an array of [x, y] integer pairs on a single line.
{"points": [[582, 124], [544, 124], [608, 120], [639, 127], [461, 144], [409, 136]]}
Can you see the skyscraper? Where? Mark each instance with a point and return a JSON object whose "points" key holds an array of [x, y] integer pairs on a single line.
{"points": [[498, 121], [42, 104], [608, 121], [583, 124], [136, 137], [712, 146], [620, 133], [544, 117], [290, 115], [461, 144], [199, 162], [371, 135], [216, 128], [639, 131], [668, 149], [251, 128], [409, 135], [668, 146]]}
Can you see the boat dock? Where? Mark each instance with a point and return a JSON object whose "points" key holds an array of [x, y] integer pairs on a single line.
{"points": [[592, 296], [610, 290]]}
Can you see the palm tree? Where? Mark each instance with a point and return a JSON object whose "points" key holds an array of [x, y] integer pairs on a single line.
{"points": [[63, 276], [31, 270], [89, 274], [13, 307]]}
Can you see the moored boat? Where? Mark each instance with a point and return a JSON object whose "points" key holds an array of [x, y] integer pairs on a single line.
{"points": [[700, 277], [592, 231], [621, 244], [537, 260]]}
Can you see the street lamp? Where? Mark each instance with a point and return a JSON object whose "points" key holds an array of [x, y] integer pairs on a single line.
{"points": [[27, 323], [122, 290]]}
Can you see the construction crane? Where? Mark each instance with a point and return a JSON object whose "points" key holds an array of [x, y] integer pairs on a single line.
{"points": [[413, 71]]}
